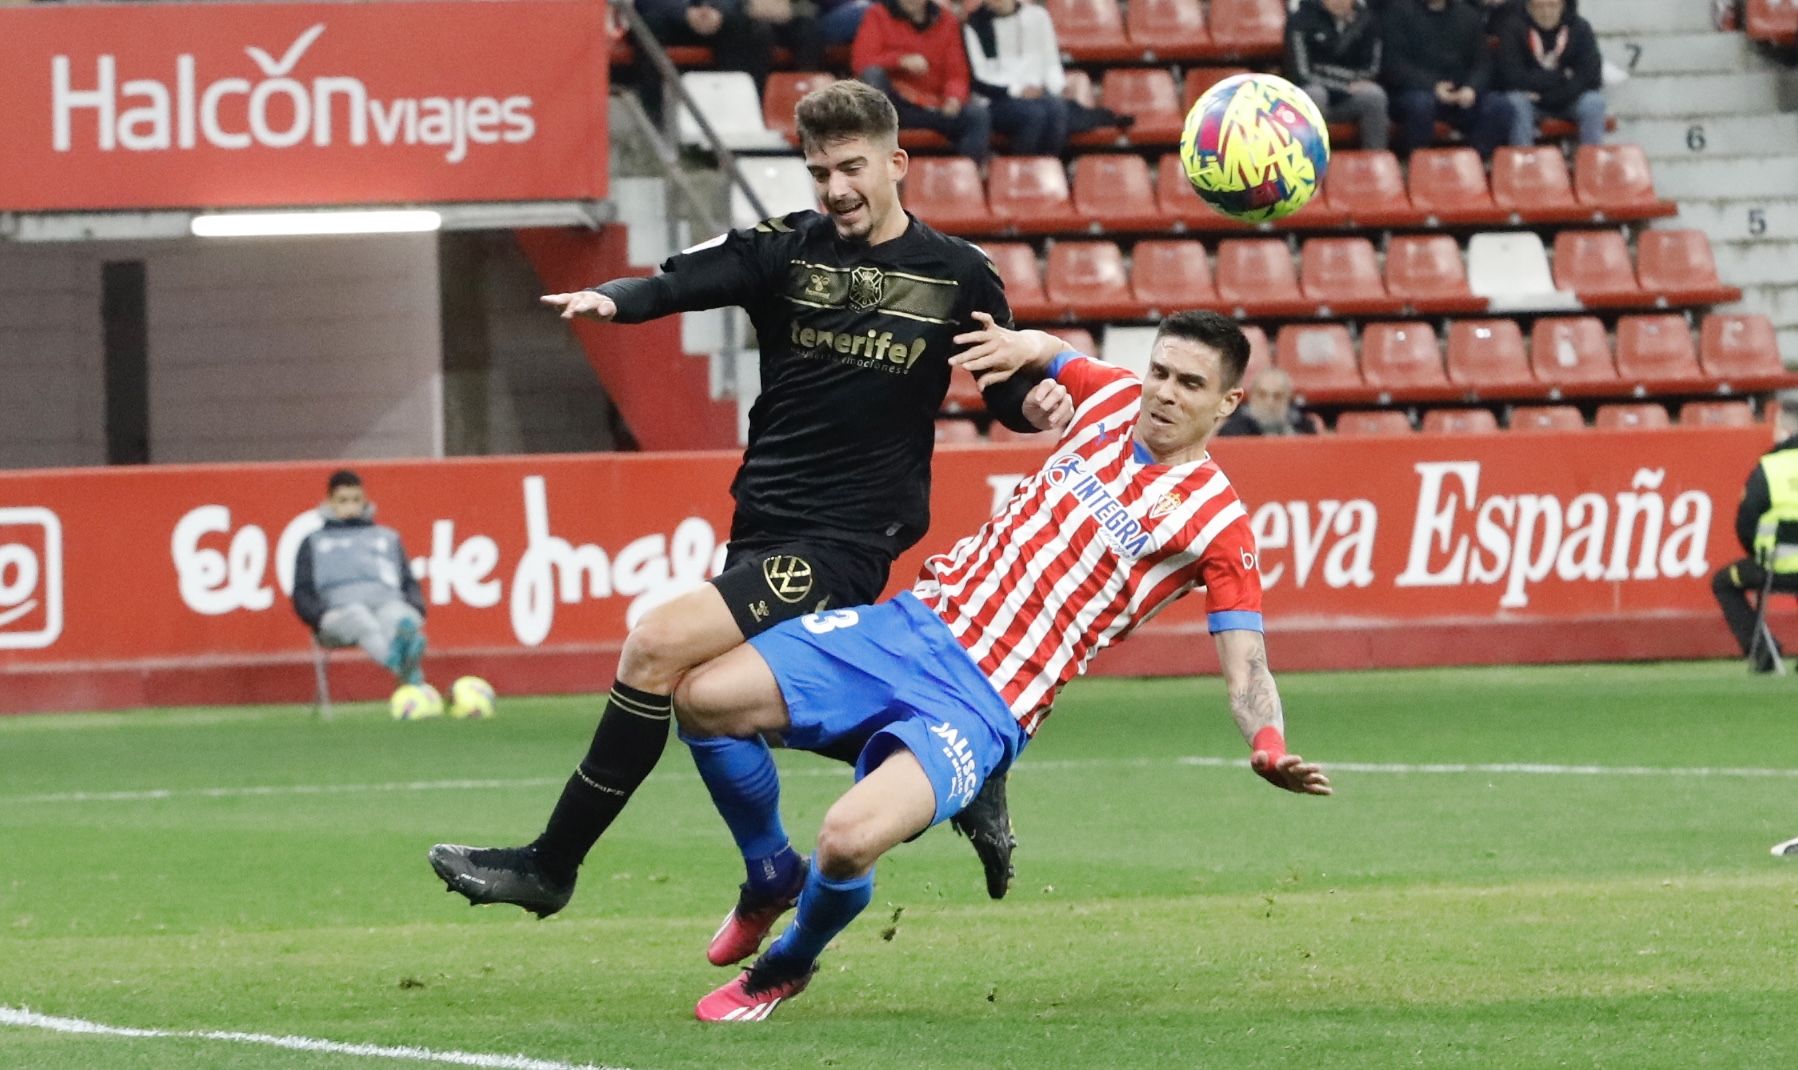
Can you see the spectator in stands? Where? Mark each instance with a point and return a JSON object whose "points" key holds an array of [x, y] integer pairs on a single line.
{"points": [[1017, 68], [1497, 12], [353, 583], [742, 35], [1333, 51], [912, 51], [1437, 67], [1268, 409], [1549, 62], [839, 19]]}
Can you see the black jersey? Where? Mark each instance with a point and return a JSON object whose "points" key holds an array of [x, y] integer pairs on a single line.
{"points": [[855, 342]]}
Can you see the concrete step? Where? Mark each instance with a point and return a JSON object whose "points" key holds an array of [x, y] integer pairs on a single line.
{"points": [[1728, 219], [1749, 93], [1648, 16], [1737, 177], [1757, 263], [1723, 135], [1643, 54]]}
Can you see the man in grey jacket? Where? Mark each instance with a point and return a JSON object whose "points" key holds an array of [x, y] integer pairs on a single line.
{"points": [[353, 584]]}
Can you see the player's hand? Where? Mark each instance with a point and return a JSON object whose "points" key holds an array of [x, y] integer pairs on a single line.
{"points": [[1291, 772], [585, 303], [996, 353], [1049, 406]]}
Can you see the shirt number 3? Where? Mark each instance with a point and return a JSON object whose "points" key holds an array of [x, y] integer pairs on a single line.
{"points": [[820, 623]]}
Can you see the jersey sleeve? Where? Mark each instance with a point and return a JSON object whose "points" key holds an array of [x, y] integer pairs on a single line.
{"points": [[737, 267], [1231, 574]]}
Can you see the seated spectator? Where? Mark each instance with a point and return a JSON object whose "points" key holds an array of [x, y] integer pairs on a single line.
{"points": [[1268, 409], [912, 51], [1017, 67], [1333, 52], [1437, 67], [1497, 13], [741, 34], [353, 583], [839, 19], [1549, 61]]}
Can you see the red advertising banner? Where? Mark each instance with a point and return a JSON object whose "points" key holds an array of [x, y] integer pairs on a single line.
{"points": [[110, 106]]}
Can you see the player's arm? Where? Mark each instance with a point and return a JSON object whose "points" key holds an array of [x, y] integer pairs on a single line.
{"points": [[306, 602], [1255, 704], [1013, 398], [728, 270], [409, 588]]}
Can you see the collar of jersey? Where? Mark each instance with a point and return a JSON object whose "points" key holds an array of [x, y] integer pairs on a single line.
{"points": [[1141, 455]]}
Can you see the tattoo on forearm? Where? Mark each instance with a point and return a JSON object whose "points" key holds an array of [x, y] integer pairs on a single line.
{"points": [[1256, 704]]}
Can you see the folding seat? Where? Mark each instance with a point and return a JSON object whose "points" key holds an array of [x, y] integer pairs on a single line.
{"points": [[1116, 193], [1369, 187], [1510, 269], [1716, 414], [1169, 276], [1632, 416], [1030, 195], [1023, 282], [1176, 201], [1091, 30], [1459, 422], [781, 183], [1595, 265], [1657, 353], [732, 108], [1404, 360], [1256, 279], [1079, 87], [945, 192], [1168, 29], [1773, 21], [1342, 277], [1547, 418], [1449, 187], [1088, 277], [1533, 186], [1676, 268], [1487, 357], [1248, 28], [785, 88], [1743, 350], [1613, 180], [1129, 347], [1261, 353], [1425, 271], [1149, 94], [1321, 360], [1549, 128], [1359, 422], [1572, 356], [1199, 79]]}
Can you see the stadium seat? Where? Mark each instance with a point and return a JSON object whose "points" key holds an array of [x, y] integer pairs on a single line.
{"points": [[1079, 87], [1168, 276], [1176, 202], [1595, 265], [1404, 360], [1533, 186], [1425, 271], [963, 397], [1342, 277], [945, 192], [1261, 354], [1614, 181], [1199, 79], [1091, 30], [1773, 21], [1128, 347], [1716, 414], [1256, 279], [1116, 193], [1078, 339], [1459, 422], [781, 183], [1572, 356], [1168, 29], [1487, 357], [1251, 28], [1742, 350], [785, 88], [1510, 270], [1657, 353], [1088, 277], [1321, 360], [1547, 418], [1030, 194], [732, 107], [1676, 267], [1369, 188], [1636, 415], [1149, 94], [1359, 422], [1023, 282], [955, 430], [1449, 187]]}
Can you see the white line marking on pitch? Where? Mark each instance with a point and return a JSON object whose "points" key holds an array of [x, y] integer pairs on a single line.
{"points": [[842, 772], [30, 1020]]}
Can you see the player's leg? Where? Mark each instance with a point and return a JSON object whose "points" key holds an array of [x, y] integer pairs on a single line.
{"points": [[354, 625], [986, 822], [404, 628]]}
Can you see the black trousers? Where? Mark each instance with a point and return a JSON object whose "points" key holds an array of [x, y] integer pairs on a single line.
{"points": [[1731, 585]]}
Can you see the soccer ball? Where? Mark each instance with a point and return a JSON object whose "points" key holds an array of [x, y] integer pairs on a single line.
{"points": [[470, 696], [1255, 147], [415, 702]]}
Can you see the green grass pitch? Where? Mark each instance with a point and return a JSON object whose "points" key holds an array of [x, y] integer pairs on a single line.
{"points": [[1166, 913]]}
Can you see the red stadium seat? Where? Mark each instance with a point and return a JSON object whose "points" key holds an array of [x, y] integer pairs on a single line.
{"points": [[1255, 278], [1676, 268], [1342, 277], [1404, 359], [1657, 352], [1080, 88], [1023, 282], [1426, 272], [1168, 29], [1369, 188], [956, 430], [945, 192], [1773, 21], [1534, 187], [783, 93], [1716, 414], [1486, 357], [1248, 27], [1743, 350], [1595, 265], [1170, 276], [1091, 30], [1030, 194], [1176, 201], [1199, 79], [1459, 422], [1149, 94], [1547, 418], [1320, 358], [1449, 186], [1572, 355], [1089, 278], [1359, 422], [1116, 192], [1078, 339], [1638, 415], [1261, 354], [1614, 180]]}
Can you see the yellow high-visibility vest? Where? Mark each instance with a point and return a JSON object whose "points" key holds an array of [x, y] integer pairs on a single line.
{"points": [[1781, 470]]}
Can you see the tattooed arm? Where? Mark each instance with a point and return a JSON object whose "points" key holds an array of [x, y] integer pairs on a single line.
{"points": [[1255, 704]]}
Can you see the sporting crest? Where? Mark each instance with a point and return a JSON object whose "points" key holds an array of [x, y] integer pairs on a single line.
{"points": [[864, 288], [1168, 503]]}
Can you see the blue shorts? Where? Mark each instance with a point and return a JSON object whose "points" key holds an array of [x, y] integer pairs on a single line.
{"points": [[888, 676]]}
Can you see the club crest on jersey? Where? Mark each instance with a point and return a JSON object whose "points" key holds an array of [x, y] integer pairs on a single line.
{"points": [[1120, 531], [864, 288], [1168, 503]]}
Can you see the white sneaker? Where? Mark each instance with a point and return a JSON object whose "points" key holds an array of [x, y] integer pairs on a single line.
{"points": [[1788, 849]]}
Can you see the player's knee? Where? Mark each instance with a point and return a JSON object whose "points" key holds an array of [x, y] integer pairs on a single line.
{"points": [[656, 652], [698, 706], [847, 847]]}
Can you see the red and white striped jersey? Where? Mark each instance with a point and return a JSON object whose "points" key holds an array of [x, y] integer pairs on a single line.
{"points": [[1098, 541]]}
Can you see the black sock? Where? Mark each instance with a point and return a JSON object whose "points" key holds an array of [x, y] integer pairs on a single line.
{"points": [[626, 746]]}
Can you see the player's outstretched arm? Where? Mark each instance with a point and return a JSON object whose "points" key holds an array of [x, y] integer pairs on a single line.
{"points": [[595, 306], [995, 354], [1255, 704]]}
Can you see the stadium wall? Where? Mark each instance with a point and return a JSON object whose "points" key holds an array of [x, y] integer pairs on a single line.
{"points": [[167, 585]]}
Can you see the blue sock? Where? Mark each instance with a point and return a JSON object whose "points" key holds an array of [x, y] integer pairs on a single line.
{"points": [[745, 788], [826, 908]]}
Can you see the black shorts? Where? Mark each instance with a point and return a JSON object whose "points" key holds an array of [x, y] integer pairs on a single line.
{"points": [[769, 580]]}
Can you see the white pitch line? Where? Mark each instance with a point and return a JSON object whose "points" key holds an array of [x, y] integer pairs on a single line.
{"points": [[18, 1016]]}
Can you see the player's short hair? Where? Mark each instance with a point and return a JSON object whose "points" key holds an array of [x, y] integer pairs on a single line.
{"points": [[844, 110], [1217, 331], [343, 477]]}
